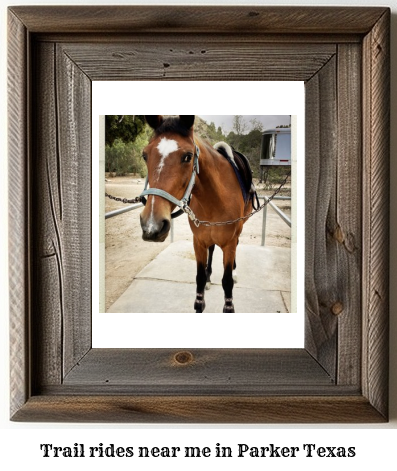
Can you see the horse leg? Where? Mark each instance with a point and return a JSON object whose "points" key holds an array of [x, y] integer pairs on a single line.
{"points": [[209, 266], [234, 273], [229, 255], [201, 277]]}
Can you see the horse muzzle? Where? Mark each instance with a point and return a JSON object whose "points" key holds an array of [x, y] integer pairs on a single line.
{"points": [[155, 231]]}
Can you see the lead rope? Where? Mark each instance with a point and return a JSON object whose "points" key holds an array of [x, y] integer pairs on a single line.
{"points": [[197, 222], [137, 199]]}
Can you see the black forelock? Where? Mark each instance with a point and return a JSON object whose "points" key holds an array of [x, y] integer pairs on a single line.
{"points": [[172, 125]]}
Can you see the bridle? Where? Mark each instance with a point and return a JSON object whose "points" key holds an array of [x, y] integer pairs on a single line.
{"points": [[182, 203]]}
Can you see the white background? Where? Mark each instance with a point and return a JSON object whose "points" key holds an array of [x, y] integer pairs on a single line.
{"points": [[217, 330], [19, 445]]}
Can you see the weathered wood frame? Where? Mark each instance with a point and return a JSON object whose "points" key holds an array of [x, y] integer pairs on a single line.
{"points": [[342, 54]]}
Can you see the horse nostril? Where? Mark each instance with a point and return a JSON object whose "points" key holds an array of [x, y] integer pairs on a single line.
{"points": [[155, 231], [166, 227]]}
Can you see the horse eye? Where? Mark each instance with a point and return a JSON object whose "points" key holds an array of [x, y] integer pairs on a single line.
{"points": [[144, 157], [187, 157]]}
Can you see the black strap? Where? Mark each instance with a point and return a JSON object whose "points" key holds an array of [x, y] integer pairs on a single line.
{"points": [[255, 201]]}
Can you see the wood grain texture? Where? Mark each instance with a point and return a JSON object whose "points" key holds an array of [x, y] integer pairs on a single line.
{"points": [[338, 378], [198, 59], [199, 19], [198, 409], [48, 248], [18, 213], [74, 178], [376, 90], [207, 369], [63, 232], [321, 278], [347, 225]]}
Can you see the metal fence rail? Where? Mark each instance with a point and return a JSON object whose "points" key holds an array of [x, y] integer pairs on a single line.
{"points": [[278, 211], [116, 212]]}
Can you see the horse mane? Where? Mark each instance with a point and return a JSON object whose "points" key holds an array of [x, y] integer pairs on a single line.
{"points": [[172, 125]]}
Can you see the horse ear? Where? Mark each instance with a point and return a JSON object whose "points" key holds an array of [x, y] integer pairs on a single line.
{"points": [[154, 121], [186, 121]]}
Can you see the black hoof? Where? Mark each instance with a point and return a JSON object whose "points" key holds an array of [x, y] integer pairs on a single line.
{"points": [[199, 304], [199, 307], [229, 306]]}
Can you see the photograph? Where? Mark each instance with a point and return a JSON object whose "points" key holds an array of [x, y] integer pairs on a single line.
{"points": [[198, 213]]}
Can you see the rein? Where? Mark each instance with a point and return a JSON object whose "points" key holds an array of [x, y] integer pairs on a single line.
{"points": [[183, 204]]}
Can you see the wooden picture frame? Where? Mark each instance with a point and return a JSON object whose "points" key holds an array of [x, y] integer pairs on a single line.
{"points": [[342, 54]]}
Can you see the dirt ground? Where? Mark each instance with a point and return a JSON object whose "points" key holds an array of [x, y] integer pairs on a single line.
{"points": [[127, 254]]}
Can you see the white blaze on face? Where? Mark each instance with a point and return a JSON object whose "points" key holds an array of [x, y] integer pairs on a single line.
{"points": [[165, 147], [151, 218]]}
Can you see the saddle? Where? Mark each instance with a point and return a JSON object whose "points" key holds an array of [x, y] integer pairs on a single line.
{"points": [[243, 171]]}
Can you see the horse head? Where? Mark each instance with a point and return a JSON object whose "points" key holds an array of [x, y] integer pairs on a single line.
{"points": [[169, 157]]}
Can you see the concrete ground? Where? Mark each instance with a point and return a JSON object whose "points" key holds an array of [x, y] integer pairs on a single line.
{"points": [[167, 284], [127, 254]]}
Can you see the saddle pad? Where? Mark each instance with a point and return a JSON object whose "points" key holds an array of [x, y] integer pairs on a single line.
{"points": [[244, 169], [240, 165]]}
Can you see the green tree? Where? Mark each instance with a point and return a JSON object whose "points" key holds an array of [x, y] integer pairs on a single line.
{"points": [[123, 127], [122, 158], [126, 135], [239, 129], [256, 125], [239, 125], [213, 134]]}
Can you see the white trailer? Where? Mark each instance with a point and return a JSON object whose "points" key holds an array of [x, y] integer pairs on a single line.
{"points": [[275, 149]]}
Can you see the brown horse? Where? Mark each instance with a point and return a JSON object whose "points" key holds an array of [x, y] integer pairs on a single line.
{"points": [[181, 165]]}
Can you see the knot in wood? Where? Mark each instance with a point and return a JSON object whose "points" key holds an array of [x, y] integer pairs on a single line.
{"points": [[183, 358], [338, 235], [337, 308]]}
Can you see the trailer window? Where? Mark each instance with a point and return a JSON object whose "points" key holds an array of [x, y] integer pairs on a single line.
{"points": [[268, 146], [283, 146]]}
